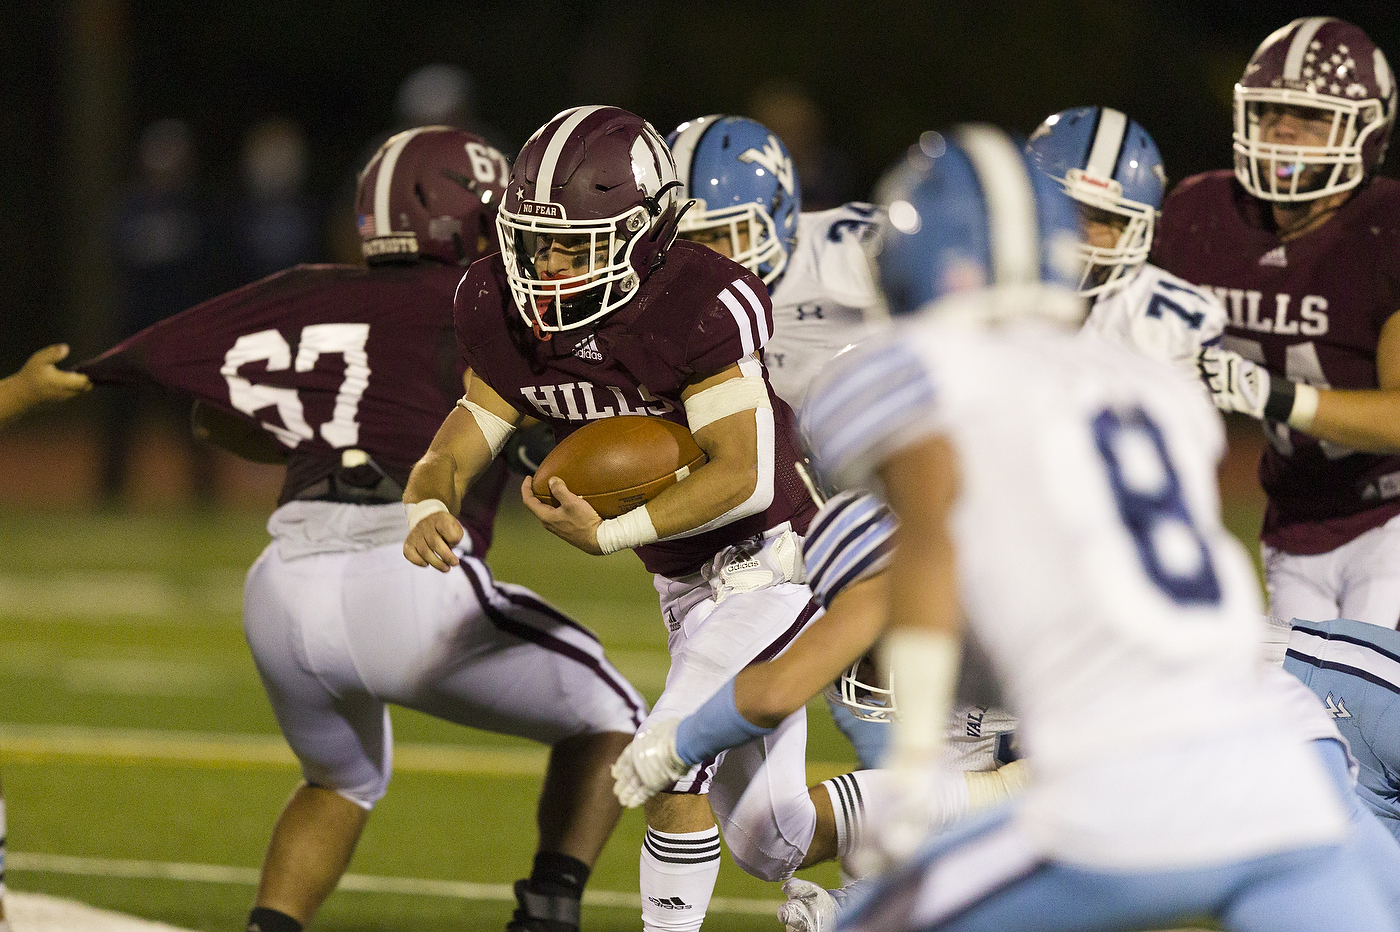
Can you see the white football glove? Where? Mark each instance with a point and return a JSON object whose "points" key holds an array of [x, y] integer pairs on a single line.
{"points": [[809, 907], [1235, 383], [649, 764]]}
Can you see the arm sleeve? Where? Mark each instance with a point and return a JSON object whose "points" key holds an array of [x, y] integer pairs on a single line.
{"points": [[873, 402]]}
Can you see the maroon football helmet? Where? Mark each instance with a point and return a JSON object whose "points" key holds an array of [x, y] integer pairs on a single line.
{"points": [[591, 209], [1329, 67], [432, 193]]}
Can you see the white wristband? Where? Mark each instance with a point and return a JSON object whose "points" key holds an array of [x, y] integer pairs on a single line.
{"points": [[632, 529], [1304, 407], [923, 667], [417, 511]]}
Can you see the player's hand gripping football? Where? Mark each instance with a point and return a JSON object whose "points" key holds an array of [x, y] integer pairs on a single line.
{"points": [[431, 539], [1235, 383], [648, 765], [574, 520]]}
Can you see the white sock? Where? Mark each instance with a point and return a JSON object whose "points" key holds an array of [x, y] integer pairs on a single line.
{"points": [[678, 874], [854, 797]]}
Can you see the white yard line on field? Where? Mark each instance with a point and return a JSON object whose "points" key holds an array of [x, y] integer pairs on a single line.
{"points": [[37, 912], [24, 861], [43, 743]]}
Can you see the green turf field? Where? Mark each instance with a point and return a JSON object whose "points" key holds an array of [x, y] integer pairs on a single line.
{"points": [[143, 771], [135, 737]]}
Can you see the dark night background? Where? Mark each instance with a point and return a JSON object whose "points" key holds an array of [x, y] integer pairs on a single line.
{"points": [[80, 80]]}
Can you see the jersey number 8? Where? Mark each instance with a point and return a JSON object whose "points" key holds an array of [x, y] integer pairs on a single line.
{"points": [[1151, 506]]}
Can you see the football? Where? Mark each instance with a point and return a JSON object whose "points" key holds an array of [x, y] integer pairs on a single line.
{"points": [[618, 463]]}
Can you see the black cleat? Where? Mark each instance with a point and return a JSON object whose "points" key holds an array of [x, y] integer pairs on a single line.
{"points": [[540, 912]]}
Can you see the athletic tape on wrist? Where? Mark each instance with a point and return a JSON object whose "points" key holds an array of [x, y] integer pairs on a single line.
{"points": [[495, 429], [417, 511], [923, 666], [633, 529], [1304, 407], [728, 397]]}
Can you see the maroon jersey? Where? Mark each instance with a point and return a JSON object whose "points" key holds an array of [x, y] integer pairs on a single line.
{"points": [[325, 358], [1311, 310], [696, 316]]}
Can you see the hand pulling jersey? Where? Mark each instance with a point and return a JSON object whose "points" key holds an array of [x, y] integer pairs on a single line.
{"points": [[326, 358]]}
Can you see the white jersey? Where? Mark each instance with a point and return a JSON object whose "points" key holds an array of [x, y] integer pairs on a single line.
{"points": [[1156, 313], [822, 303], [1121, 618]]}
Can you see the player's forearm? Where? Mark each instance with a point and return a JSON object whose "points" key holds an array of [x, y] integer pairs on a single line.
{"points": [[457, 456], [766, 693], [733, 482], [711, 491], [1361, 420], [435, 476]]}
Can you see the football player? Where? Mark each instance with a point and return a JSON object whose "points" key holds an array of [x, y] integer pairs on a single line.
{"points": [[748, 206], [1302, 242], [1110, 166], [1354, 668], [344, 373], [1056, 496], [594, 310]]}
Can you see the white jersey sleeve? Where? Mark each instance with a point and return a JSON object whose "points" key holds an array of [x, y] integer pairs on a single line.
{"points": [[826, 299], [1160, 315]]}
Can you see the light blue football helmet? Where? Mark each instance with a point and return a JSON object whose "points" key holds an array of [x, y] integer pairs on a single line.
{"points": [[1110, 164], [743, 182], [974, 230]]}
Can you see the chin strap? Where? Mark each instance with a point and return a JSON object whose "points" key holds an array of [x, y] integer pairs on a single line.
{"points": [[653, 202]]}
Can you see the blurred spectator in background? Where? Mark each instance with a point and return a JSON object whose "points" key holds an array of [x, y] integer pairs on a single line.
{"points": [[444, 95], [166, 259], [794, 117], [437, 94], [275, 225]]}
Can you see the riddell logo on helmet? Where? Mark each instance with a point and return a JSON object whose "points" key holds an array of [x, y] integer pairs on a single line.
{"points": [[541, 209]]}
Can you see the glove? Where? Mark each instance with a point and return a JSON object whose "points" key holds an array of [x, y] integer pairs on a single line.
{"points": [[648, 765], [809, 907], [528, 447], [1236, 384]]}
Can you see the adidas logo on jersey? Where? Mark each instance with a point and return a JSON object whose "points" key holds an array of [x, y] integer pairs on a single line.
{"points": [[671, 902], [1337, 708], [1275, 257], [588, 351]]}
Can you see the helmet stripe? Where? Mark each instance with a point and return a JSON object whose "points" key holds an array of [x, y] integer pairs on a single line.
{"points": [[545, 180], [1012, 226], [686, 144], [384, 181], [1293, 64], [1108, 143]]}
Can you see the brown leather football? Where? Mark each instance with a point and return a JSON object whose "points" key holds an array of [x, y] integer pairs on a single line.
{"points": [[618, 463]]}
